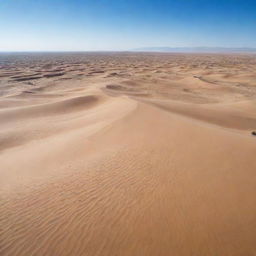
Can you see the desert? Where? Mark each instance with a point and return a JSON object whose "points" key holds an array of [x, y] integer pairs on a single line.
{"points": [[127, 153]]}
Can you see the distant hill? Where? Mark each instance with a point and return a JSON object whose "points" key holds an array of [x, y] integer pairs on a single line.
{"points": [[196, 49]]}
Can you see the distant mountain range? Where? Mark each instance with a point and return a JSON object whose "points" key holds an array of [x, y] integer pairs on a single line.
{"points": [[196, 49]]}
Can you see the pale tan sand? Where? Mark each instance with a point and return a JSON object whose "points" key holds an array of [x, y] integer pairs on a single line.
{"points": [[127, 154]]}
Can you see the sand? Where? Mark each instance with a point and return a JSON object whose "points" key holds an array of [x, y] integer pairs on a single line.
{"points": [[127, 154]]}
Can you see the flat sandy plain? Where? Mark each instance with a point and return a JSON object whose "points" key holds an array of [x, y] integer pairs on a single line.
{"points": [[127, 154]]}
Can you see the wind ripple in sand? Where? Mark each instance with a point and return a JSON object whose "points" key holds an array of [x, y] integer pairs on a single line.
{"points": [[146, 183]]}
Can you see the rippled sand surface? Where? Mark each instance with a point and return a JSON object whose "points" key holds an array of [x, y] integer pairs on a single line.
{"points": [[127, 154]]}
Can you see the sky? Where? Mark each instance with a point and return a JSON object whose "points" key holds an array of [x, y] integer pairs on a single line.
{"points": [[98, 25]]}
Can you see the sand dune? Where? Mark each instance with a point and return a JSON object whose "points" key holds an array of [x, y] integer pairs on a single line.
{"points": [[140, 155], [212, 113], [55, 108]]}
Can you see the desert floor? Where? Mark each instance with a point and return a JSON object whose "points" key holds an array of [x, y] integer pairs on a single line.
{"points": [[127, 154]]}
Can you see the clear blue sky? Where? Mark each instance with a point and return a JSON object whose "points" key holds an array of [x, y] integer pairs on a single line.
{"points": [[125, 24]]}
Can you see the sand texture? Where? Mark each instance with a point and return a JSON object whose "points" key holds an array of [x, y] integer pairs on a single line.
{"points": [[127, 154]]}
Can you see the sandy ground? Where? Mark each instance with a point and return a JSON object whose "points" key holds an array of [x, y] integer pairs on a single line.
{"points": [[127, 154]]}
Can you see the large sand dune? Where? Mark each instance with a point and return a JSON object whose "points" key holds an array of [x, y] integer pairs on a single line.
{"points": [[127, 154]]}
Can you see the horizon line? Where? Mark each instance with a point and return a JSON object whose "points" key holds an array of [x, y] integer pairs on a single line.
{"points": [[159, 49]]}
